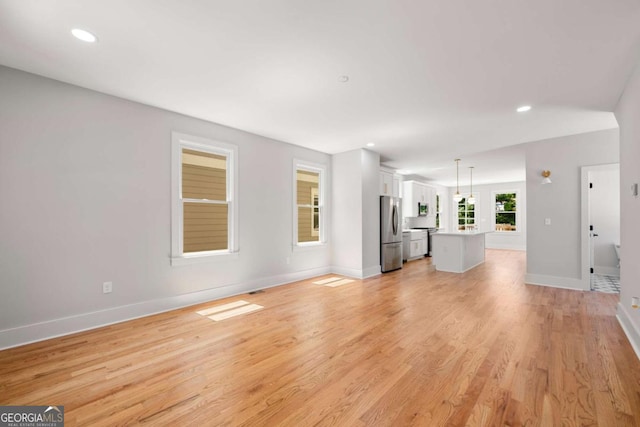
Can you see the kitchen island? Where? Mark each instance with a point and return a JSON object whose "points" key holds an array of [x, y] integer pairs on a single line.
{"points": [[459, 251]]}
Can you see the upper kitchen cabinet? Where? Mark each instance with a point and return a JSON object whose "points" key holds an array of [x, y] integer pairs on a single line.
{"points": [[418, 199], [430, 196], [389, 183]]}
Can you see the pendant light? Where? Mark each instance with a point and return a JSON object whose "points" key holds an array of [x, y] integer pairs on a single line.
{"points": [[471, 200], [457, 197]]}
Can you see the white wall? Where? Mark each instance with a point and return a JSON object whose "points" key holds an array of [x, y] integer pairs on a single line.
{"points": [[554, 251], [85, 190], [628, 113], [356, 213], [370, 168], [346, 214], [604, 204]]}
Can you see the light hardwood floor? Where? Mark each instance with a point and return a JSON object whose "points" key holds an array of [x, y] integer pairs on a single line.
{"points": [[412, 347]]}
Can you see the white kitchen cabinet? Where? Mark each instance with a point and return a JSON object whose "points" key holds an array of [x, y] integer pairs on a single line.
{"points": [[413, 244], [389, 184], [396, 186], [430, 195], [420, 192], [409, 205], [386, 183], [416, 249], [414, 193]]}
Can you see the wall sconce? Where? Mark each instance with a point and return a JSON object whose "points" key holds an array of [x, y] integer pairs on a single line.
{"points": [[546, 179]]}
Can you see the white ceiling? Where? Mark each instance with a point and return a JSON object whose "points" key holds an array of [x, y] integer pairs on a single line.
{"points": [[429, 80]]}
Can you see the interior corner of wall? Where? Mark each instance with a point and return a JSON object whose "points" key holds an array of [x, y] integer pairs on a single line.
{"points": [[630, 329]]}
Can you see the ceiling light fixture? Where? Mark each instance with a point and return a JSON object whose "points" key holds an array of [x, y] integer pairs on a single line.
{"points": [[457, 197], [84, 35], [370, 144], [546, 175], [523, 109], [471, 200]]}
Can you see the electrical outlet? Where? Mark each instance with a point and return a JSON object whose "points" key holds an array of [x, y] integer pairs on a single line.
{"points": [[547, 221], [107, 287]]}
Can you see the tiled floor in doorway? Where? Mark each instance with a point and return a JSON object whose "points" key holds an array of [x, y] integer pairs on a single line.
{"points": [[608, 284]]}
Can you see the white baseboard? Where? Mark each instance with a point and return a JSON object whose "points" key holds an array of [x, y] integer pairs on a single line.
{"points": [[375, 270], [554, 281], [606, 270], [26, 334], [628, 327]]}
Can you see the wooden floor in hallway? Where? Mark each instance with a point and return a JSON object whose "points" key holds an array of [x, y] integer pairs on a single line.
{"points": [[411, 347]]}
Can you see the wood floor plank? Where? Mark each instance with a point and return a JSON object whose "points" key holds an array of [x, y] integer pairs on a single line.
{"points": [[412, 347]]}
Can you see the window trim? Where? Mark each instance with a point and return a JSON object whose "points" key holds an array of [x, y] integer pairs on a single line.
{"points": [[315, 194], [457, 218], [493, 209], [321, 169], [178, 142]]}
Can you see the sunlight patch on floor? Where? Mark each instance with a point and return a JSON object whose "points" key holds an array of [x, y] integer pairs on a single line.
{"points": [[333, 282], [226, 311], [328, 280]]}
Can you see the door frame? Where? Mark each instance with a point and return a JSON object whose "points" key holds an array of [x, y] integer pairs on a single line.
{"points": [[585, 219]]}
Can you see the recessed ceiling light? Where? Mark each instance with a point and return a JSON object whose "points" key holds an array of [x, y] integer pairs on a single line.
{"points": [[523, 108], [343, 79], [84, 35], [370, 144]]}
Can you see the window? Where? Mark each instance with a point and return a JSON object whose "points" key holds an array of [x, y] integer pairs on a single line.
{"points": [[438, 211], [506, 212], [309, 205], [466, 215], [204, 217]]}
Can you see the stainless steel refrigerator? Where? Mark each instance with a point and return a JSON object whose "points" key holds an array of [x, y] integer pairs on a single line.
{"points": [[390, 233]]}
